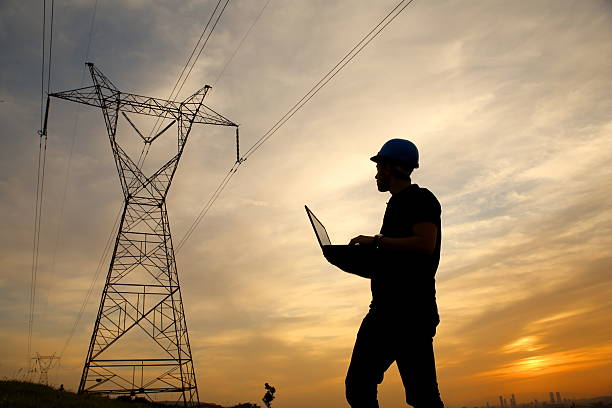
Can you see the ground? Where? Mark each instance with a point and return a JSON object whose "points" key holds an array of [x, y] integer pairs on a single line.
{"points": [[20, 394]]}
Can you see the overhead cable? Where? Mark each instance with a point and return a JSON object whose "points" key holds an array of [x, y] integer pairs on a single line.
{"points": [[214, 196], [101, 263], [374, 32], [72, 145], [191, 60], [197, 45], [229, 61], [330, 75], [40, 181], [42, 160], [42, 65], [202, 48], [67, 177], [40, 149], [50, 47]]}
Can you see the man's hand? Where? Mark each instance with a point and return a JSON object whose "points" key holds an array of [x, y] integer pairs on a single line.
{"points": [[362, 240]]}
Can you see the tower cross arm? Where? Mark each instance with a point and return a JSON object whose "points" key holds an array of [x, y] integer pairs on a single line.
{"points": [[86, 95], [125, 102], [208, 116], [144, 105]]}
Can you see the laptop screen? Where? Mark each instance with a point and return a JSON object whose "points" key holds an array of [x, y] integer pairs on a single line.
{"points": [[319, 229]]}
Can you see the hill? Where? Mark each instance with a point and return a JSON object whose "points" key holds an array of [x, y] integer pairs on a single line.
{"points": [[20, 394]]}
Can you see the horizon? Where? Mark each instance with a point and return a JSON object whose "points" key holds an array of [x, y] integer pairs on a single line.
{"points": [[509, 105], [542, 398]]}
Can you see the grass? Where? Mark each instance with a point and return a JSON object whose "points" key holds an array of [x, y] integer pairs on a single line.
{"points": [[21, 394]]}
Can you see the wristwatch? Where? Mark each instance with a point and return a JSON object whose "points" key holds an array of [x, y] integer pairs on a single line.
{"points": [[377, 239]]}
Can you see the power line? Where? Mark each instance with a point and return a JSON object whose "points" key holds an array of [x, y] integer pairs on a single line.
{"points": [[202, 49], [42, 66], [50, 47], [42, 161], [229, 61], [40, 178], [35, 240], [91, 28], [228, 176], [214, 196], [101, 263], [178, 80], [330, 75], [374, 32], [159, 123], [72, 144], [68, 167]]}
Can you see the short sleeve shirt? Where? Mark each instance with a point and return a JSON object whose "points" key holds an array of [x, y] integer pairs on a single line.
{"points": [[405, 282]]}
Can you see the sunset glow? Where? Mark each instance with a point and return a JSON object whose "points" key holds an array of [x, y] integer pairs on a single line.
{"points": [[510, 104]]}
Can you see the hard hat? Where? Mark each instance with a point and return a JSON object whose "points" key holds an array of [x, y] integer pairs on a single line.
{"points": [[400, 151]]}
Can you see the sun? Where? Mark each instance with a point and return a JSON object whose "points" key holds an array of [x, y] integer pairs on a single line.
{"points": [[531, 365]]}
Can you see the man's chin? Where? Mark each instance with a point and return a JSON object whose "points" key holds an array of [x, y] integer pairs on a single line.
{"points": [[382, 189]]}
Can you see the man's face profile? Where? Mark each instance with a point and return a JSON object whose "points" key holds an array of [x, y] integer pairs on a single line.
{"points": [[382, 177]]}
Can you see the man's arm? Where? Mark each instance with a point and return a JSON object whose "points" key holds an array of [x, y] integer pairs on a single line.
{"points": [[423, 241]]}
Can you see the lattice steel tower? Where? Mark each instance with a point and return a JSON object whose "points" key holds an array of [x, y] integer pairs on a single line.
{"points": [[141, 302], [42, 365]]}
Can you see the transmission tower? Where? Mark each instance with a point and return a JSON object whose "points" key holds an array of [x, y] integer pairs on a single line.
{"points": [[140, 343], [42, 365]]}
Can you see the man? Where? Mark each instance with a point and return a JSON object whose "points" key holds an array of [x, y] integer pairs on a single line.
{"points": [[403, 315]]}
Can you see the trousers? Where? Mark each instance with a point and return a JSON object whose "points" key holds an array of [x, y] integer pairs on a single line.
{"points": [[381, 340]]}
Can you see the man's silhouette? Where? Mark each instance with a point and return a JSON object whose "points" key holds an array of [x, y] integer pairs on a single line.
{"points": [[403, 315]]}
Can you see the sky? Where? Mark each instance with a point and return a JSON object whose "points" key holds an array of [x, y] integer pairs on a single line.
{"points": [[508, 102]]}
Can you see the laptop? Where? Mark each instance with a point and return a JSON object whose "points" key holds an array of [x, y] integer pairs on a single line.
{"points": [[319, 228], [355, 259]]}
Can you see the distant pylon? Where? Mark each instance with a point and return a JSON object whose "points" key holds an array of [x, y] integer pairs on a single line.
{"points": [[142, 288], [42, 365]]}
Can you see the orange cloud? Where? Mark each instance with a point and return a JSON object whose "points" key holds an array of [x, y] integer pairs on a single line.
{"points": [[528, 343], [544, 364]]}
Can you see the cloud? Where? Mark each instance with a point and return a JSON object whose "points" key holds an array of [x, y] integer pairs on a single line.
{"points": [[509, 106]]}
